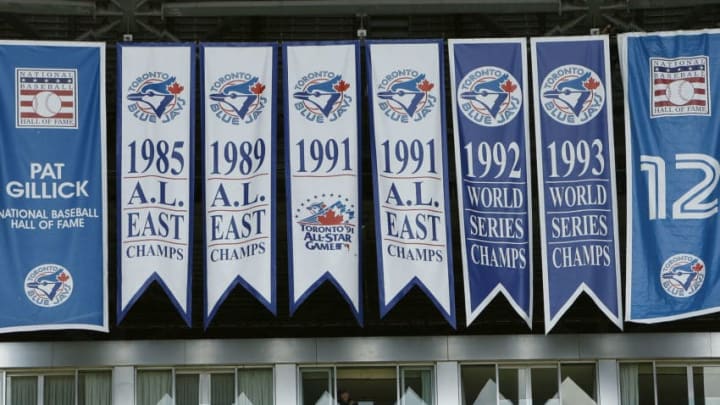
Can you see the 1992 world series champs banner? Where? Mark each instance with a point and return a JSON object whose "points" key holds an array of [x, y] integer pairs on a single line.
{"points": [[155, 171], [53, 204], [672, 84]]}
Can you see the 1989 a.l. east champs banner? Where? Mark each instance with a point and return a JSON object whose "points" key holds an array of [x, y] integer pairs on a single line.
{"points": [[53, 204], [238, 102], [322, 110], [672, 84], [492, 148], [576, 174], [155, 171], [409, 150]]}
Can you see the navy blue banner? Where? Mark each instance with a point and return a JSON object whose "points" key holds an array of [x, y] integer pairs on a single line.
{"points": [[671, 89], [576, 174], [492, 147], [53, 228]]}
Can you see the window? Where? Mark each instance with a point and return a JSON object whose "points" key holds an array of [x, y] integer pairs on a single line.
{"points": [[654, 383], [85, 387]]}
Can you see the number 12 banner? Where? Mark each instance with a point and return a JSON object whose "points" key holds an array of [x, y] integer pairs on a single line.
{"points": [[409, 152], [576, 174], [672, 86]]}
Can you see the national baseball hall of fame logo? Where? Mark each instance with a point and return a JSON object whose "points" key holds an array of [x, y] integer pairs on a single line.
{"points": [[322, 96], [155, 97], [679, 86], [46, 98], [572, 94], [489, 96], [48, 285], [682, 275], [237, 98], [405, 95]]}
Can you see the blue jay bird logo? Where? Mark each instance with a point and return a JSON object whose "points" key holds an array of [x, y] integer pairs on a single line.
{"points": [[489, 96], [323, 96], [572, 94], [48, 285], [407, 94], [156, 97], [682, 275], [240, 98]]}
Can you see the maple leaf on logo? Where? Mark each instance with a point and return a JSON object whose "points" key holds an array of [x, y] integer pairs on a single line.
{"points": [[63, 277], [425, 86], [330, 218], [175, 88], [341, 86], [591, 84], [508, 86], [258, 88], [697, 267]]}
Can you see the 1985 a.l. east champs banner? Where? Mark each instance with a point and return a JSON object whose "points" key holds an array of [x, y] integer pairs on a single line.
{"points": [[155, 171], [409, 151], [576, 174], [53, 204], [238, 102], [322, 110], [492, 148], [672, 84]]}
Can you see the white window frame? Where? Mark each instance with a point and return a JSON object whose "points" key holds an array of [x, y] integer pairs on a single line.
{"points": [[40, 376]]}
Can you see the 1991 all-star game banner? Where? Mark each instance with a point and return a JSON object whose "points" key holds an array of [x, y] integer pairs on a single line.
{"points": [[322, 110], [672, 84], [239, 148], [576, 174], [53, 203], [409, 151], [155, 170], [492, 147]]}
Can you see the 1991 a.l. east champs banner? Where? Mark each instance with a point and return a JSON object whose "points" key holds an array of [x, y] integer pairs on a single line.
{"points": [[239, 162], [155, 171], [576, 174], [672, 85], [322, 110], [492, 148], [53, 204], [409, 151]]}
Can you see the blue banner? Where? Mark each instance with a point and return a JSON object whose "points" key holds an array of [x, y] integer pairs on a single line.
{"points": [[492, 148], [576, 174], [53, 228], [671, 86]]}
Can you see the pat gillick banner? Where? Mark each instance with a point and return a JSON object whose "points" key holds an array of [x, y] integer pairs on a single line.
{"points": [[53, 204], [576, 174]]}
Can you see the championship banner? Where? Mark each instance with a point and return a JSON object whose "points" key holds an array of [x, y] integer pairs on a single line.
{"points": [[53, 206], [492, 155], [671, 83], [322, 121], [155, 171], [409, 152], [576, 174], [238, 116]]}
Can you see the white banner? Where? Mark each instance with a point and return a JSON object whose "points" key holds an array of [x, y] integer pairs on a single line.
{"points": [[155, 165], [321, 125], [239, 144], [412, 220]]}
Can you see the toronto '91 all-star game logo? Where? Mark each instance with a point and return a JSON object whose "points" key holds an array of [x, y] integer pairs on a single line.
{"points": [[46, 98], [682, 275], [48, 285], [572, 94], [679, 86], [155, 97], [489, 96], [237, 98], [405, 95], [326, 227], [322, 96]]}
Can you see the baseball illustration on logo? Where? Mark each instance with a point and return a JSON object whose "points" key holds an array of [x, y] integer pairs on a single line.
{"points": [[682, 275], [48, 285], [322, 96], [679, 86], [237, 97], [572, 94], [326, 227], [155, 97], [405, 95], [46, 98], [489, 96]]}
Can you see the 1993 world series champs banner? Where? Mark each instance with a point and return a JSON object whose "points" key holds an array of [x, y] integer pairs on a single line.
{"points": [[672, 86], [53, 204]]}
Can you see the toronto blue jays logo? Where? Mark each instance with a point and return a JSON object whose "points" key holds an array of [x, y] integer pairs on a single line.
{"points": [[682, 275], [237, 98], [322, 96], [48, 285], [155, 97], [572, 94], [489, 96], [326, 227], [405, 95]]}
